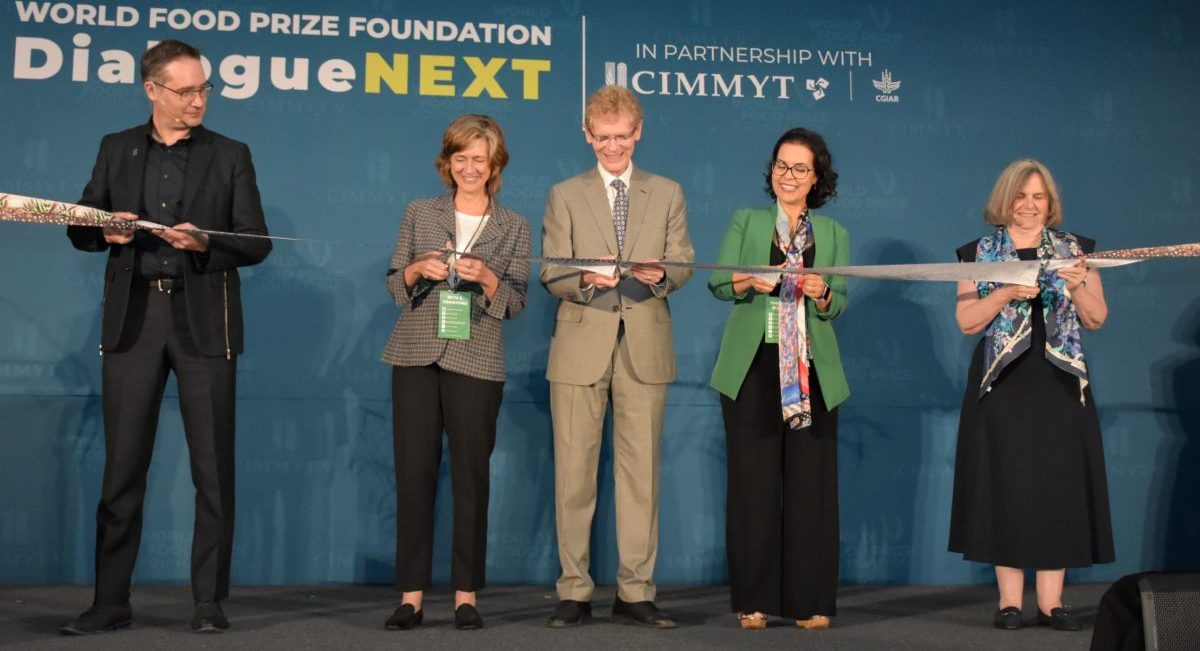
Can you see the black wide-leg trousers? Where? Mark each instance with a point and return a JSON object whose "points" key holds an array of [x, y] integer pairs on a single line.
{"points": [[781, 534]]}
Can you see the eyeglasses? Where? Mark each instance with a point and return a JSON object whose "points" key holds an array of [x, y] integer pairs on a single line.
{"points": [[188, 94], [620, 139], [799, 170]]}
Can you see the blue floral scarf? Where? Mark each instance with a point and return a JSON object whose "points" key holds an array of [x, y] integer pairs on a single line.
{"points": [[1009, 335]]}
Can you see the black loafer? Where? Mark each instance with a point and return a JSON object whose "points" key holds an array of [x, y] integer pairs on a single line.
{"points": [[404, 618], [569, 614], [207, 617], [1059, 619], [99, 619], [1007, 618], [466, 618], [642, 613]]}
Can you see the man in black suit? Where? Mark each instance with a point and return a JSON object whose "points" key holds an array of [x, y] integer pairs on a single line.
{"points": [[171, 303]]}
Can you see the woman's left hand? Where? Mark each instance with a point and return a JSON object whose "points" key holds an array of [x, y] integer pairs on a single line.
{"points": [[1075, 275], [813, 286], [472, 269]]}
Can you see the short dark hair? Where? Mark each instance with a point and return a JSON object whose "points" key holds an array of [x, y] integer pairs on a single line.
{"points": [[157, 57], [826, 186]]}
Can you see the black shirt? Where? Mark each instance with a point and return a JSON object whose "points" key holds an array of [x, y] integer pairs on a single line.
{"points": [[162, 203]]}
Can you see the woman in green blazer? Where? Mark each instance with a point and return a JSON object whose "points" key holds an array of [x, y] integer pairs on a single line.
{"points": [[781, 532]]}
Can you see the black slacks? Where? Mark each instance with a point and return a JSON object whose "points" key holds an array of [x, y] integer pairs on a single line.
{"points": [[781, 532], [157, 341], [427, 400]]}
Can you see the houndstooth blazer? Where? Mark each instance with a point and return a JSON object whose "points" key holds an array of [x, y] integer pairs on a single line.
{"points": [[426, 226]]}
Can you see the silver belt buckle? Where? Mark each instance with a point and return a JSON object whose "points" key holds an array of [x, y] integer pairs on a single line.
{"points": [[160, 286]]}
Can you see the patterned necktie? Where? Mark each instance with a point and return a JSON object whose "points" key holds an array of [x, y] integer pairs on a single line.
{"points": [[620, 213], [793, 336]]}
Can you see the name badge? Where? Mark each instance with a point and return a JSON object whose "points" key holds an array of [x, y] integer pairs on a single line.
{"points": [[771, 331], [454, 314]]}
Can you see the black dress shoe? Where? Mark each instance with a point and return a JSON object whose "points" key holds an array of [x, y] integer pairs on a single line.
{"points": [[1007, 618], [1059, 619], [404, 618], [570, 613], [99, 619], [207, 617], [642, 613], [466, 618]]}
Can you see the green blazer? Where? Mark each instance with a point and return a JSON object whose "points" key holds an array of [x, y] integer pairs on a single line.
{"points": [[748, 242]]}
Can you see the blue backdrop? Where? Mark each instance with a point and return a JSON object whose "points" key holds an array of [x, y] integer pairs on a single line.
{"points": [[344, 118]]}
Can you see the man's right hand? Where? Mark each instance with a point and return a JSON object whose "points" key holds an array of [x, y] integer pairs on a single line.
{"points": [[598, 280], [120, 235], [591, 278]]}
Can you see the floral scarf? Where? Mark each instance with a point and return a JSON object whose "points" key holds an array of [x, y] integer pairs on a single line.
{"points": [[794, 389], [1010, 333]]}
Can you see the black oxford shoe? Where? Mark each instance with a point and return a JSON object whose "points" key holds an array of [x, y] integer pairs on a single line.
{"points": [[1059, 619], [404, 618], [642, 613], [467, 618], [1007, 618], [570, 613], [207, 617], [99, 619]]}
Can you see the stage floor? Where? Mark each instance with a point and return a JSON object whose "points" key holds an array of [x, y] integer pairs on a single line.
{"points": [[351, 617]]}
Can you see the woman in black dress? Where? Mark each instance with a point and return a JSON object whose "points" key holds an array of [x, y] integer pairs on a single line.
{"points": [[1029, 483]]}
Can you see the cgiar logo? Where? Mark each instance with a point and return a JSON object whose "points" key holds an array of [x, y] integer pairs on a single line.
{"points": [[886, 86]]}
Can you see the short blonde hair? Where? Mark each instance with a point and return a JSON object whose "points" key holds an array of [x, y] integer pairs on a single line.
{"points": [[1012, 179], [465, 130], [612, 100]]}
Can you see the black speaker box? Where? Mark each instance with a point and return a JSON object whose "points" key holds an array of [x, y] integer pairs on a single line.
{"points": [[1171, 610]]}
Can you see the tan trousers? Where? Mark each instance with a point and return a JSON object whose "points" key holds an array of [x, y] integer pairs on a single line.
{"points": [[578, 416]]}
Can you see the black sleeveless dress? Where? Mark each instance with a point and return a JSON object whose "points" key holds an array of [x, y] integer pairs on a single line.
{"points": [[1029, 483]]}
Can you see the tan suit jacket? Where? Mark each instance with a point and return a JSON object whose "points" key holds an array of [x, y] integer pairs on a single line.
{"points": [[578, 223], [588, 363]]}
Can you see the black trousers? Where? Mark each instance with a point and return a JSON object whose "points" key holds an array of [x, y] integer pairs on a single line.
{"points": [[427, 400], [157, 341], [781, 532]]}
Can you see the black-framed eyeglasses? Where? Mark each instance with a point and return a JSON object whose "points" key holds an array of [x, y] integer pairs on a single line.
{"points": [[188, 94], [800, 171]]}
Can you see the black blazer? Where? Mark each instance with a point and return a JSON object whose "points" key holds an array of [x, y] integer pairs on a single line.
{"points": [[220, 193]]}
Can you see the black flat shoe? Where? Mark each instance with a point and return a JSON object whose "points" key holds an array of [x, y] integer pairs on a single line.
{"points": [[99, 619], [466, 618], [404, 618], [642, 613], [569, 614], [1059, 619], [207, 617], [1007, 618]]}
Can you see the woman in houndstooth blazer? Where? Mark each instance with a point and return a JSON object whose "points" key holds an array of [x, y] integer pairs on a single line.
{"points": [[441, 381]]}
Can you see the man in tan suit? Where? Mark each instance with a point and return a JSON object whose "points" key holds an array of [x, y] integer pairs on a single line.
{"points": [[612, 335]]}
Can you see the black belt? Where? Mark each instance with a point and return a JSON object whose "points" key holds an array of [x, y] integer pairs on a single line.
{"points": [[167, 285]]}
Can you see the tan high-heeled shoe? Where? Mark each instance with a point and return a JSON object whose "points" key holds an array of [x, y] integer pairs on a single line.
{"points": [[816, 622], [752, 621]]}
